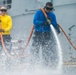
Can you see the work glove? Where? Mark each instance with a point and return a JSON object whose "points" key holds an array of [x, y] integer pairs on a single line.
{"points": [[48, 20], [57, 29], [1, 30], [46, 23]]}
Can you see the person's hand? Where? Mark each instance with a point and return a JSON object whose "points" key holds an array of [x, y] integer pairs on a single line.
{"points": [[58, 30], [46, 23], [48, 20], [1, 30]]}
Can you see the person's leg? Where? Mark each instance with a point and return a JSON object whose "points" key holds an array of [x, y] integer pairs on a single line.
{"points": [[8, 45], [0, 47], [7, 41], [50, 53], [34, 51], [45, 48]]}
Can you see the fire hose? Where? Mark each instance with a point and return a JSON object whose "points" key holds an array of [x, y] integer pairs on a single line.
{"points": [[16, 55], [6, 51], [61, 29], [2, 41], [3, 45], [28, 40], [67, 37]]}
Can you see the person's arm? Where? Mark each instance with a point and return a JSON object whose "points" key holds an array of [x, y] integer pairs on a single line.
{"points": [[54, 23], [36, 20], [9, 24]]}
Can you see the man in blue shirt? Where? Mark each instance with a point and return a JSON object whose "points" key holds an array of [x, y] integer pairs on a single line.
{"points": [[43, 38]]}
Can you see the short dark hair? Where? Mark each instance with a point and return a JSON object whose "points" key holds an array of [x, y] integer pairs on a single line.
{"points": [[49, 4]]}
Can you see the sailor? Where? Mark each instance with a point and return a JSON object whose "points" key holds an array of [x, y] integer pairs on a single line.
{"points": [[43, 38], [5, 27]]}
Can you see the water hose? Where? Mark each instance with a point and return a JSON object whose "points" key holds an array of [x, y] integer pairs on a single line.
{"points": [[29, 37], [3, 44], [61, 29], [67, 37], [4, 48], [28, 40], [16, 55], [6, 51], [2, 41]]}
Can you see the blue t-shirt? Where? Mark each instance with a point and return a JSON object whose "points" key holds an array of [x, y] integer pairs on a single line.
{"points": [[39, 20]]}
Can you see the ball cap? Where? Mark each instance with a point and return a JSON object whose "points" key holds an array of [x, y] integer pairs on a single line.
{"points": [[3, 8]]}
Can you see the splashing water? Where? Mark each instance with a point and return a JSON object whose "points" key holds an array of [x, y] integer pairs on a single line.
{"points": [[59, 48], [25, 69]]}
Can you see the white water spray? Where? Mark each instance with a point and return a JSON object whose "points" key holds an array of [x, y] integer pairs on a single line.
{"points": [[23, 69], [59, 48]]}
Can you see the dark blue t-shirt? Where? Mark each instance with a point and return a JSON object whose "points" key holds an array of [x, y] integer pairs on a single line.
{"points": [[39, 20]]}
